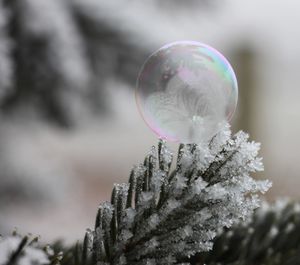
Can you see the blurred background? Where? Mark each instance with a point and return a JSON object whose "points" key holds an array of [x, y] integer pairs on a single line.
{"points": [[69, 126]]}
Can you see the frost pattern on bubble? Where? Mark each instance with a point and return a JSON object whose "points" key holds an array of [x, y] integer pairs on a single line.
{"points": [[185, 91]]}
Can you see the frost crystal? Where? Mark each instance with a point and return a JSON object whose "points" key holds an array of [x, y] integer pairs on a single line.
{"points": [[166, 217]]}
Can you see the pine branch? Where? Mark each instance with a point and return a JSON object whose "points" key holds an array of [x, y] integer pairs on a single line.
{"points": [[164, 217], [271, 238], [58, 54], [78, 254], [6, 72], [169, 216], [27, 250], [21, 250]]}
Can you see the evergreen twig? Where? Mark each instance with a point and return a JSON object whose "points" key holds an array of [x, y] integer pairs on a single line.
{"points": [[164, 217]]}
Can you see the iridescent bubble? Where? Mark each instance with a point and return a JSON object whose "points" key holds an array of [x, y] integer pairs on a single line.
{"points": [[185, 91]]}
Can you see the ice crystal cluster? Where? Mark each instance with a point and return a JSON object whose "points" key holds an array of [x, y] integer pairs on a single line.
{"points": [[168, 213]]}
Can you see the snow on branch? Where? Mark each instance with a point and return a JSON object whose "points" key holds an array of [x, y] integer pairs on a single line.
{"points": [[270, 237], [165, 216]]}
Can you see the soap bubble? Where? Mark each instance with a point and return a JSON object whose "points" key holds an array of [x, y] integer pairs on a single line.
{"points": [[185, 91]]}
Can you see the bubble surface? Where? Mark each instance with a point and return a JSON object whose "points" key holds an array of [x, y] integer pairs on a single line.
{"points": [[185, 91]]}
